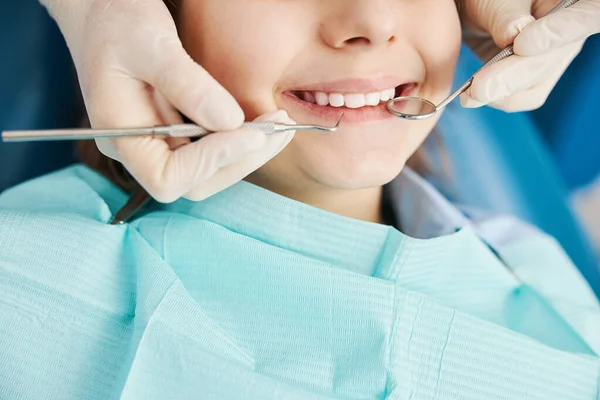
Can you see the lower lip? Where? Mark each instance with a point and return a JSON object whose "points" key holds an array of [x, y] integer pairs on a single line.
{"points": [[330, 115]]}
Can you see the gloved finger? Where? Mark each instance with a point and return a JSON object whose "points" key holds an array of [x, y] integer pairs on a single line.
{"points": [[120, 101], [191, 89], [533, 98], [170, 116], [191, 165], [482, 46], [235, 172], [572, 24], [166, 175], [515, 74], [541, 8], [536, 96], [529, 100], [157, 109], [167, 112], [505, 78], [468, 102], [502, 19]]}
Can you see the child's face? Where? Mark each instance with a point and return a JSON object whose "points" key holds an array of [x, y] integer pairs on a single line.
{"points": [[290, 54]]}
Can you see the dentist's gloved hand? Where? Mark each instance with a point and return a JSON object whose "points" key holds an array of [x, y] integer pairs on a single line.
{"points": [[544, 48], [134, 72]]}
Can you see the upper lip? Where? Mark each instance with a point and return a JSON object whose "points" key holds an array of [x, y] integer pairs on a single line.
{"points": [[355, 85]]}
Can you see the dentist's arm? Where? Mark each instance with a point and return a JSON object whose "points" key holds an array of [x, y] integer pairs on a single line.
{"points": [[544, 48], [134, 72]]}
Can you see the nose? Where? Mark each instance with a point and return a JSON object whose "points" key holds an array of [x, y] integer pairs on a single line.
{"points": [[359, 23]]}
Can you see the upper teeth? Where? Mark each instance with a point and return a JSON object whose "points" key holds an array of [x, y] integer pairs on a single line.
{"points": [[354, 100]]}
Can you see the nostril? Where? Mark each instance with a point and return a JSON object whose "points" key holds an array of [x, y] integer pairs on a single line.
{"points": [[358, 41]]}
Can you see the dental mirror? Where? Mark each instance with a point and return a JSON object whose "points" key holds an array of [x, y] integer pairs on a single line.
{"points": [[413, 108], [417, 108]]}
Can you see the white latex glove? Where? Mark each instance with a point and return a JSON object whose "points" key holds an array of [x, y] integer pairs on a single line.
{"points": [[134, 72], [544, 48]]}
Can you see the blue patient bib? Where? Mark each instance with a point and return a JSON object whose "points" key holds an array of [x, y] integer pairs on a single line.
{"points": [[250, 295]]}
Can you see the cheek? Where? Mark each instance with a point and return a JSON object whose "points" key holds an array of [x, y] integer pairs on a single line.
{"points": [[438, 44], [240, 54]]}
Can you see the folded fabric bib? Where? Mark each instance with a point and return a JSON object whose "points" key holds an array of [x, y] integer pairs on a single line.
{"points": [[249, 295]]}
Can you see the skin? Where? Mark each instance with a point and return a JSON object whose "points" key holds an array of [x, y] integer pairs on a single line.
{"points": [[260, 50]]}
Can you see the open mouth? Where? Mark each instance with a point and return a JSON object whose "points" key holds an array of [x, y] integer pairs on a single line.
{"points": [[354, 100]]}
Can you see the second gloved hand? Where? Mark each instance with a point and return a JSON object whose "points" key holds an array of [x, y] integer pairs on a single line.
{"points": [[134, 72], [544, 48]]}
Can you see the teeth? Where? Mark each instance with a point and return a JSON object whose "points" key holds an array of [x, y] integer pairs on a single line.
{"points": [[322, 98], [387, 94], [372, 99], [354, 100], [336, 100]]}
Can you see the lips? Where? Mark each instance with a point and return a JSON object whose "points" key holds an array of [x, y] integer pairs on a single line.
{"points": [[310, 106]]}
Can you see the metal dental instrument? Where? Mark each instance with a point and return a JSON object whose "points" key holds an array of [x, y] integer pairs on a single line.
{"points": [[133, 205], [177, 131], [141, 198], [417, 108]]}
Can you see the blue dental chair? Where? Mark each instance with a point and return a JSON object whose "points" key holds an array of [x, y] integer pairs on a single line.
{"points": [[569, 120], [38, 90], [520, 177]]}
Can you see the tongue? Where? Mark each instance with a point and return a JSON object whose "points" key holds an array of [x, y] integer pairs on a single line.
{"points": [[308, 97]]}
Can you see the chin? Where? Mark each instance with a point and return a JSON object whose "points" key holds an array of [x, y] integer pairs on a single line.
{"points": [[356, 157], [350, 163], [356, 179]]}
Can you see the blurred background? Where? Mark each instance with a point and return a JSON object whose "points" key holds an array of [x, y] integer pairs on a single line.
{"points": [[543, 166]]}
